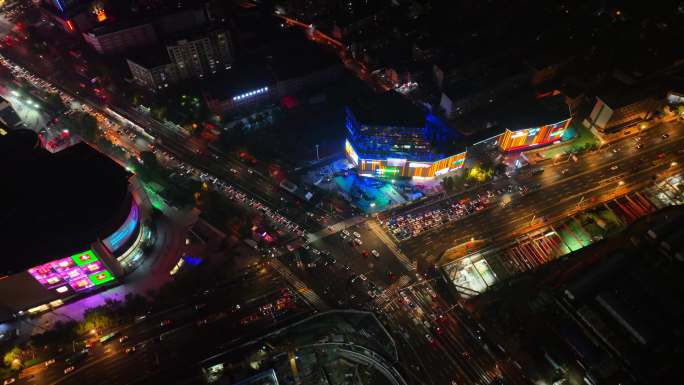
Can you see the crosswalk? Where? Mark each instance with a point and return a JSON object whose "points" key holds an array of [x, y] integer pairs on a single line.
{"points": [[332, 229], [309, 295], [392, 290], [380, 233]]}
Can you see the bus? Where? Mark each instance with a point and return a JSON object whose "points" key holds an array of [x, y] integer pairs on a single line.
{"points": [[108, 337]]}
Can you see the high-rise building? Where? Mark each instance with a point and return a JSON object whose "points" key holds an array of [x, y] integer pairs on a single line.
{"points": [[203, 55]]}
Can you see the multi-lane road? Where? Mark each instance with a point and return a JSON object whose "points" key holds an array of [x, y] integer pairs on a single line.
{"points": [[621, 166], [170, 342]]}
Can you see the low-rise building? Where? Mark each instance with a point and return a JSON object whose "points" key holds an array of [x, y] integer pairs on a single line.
{"points": [[619, 107], [114, 38]]}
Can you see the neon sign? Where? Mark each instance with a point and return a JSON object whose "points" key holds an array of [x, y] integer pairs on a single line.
{"points": [[75, 273], [123, 234], [250, 94]]}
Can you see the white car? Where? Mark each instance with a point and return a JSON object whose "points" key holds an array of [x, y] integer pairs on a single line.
{"points": [[357, 235], [69, 369], [375, 253], [614, 168]]}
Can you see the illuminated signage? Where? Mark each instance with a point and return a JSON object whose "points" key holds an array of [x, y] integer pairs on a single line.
{"points": [[76, 273], [394, 162], [387, 170], [124, 233], [250, 94], [419, 165], [458, 163]]}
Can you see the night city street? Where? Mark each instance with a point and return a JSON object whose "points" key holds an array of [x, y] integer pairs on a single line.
{"points": [[322, 192]]}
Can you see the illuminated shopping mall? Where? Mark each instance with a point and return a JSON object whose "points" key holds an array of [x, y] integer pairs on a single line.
{"points": [[388, 136], [73, 221]]}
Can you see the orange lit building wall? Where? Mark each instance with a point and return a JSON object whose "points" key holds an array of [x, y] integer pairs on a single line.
{"points": [[532, 137]]}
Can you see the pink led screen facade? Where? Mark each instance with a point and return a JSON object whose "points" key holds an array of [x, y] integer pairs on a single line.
{"points": [[79, 272]]}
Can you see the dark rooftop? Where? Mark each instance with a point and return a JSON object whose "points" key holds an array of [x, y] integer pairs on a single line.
{"points": [[55, 205], [294, 56], [386, 109], [517, 111], [242, 77], [149, 57]]}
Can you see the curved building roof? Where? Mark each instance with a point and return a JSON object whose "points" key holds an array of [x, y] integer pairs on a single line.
{"points": [[55, 205]]}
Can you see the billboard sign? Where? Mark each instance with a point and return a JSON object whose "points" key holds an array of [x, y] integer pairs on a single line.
{"points": [[76, 273]]}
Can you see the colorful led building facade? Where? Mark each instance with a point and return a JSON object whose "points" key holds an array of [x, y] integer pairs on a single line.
{"points": [[532, 137], [76, 273], [119, 238], [399, 142]]}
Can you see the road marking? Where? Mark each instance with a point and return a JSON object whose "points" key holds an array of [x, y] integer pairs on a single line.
{"points": [[380, 233]]}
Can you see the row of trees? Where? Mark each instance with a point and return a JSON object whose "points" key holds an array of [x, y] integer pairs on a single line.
{"points": [[69, 336]]}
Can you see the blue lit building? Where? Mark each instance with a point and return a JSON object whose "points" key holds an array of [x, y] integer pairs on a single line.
{"points": [[388, 136]]}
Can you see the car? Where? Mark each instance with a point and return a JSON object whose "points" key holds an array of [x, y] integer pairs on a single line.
{"points": [[639, 146], [429, 338], [665, 135], [69, 369], [661, 155], [358, 241], [345, 233], [129, 350], [165, 322], [439, 331], [315, 251], [357, 235], [50, 362], [122, 339], [363, 277], [371, 294], [613, 168], [9, 381], [616, 150], [375, 253], [364, 253], [290, 248]]}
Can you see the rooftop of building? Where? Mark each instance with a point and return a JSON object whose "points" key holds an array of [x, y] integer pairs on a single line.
{"points": [[386, 109], [56, 205], [109, 27], [242, 77], [516, 111], [616, 93], [149, 57]]}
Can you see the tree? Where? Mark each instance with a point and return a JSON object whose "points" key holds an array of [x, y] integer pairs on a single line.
{"points": [[55, 101], [85, 125], [13, 358]]}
